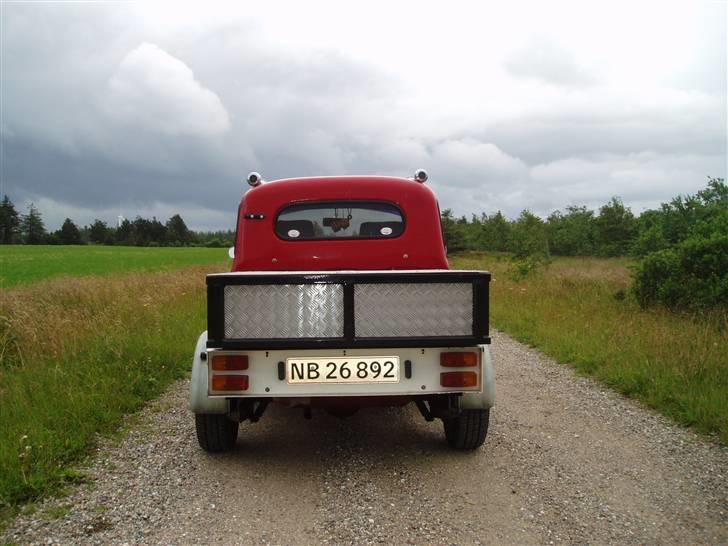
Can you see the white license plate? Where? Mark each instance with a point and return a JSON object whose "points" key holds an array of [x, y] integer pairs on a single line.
{"points": [[355, 369]]}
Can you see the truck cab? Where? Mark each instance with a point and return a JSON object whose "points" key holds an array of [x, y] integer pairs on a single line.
{"points": [[340, 297]]}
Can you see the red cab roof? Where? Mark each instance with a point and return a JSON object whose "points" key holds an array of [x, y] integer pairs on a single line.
{"points": [[420, 246]]}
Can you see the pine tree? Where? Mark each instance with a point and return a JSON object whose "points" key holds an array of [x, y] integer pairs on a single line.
{"points": [[9, 222], [99, 232], [125, 233], [32, 227], [69, 233], [177, 231]]}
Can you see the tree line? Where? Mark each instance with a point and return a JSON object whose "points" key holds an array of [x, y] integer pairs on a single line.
{"points": [[30, 229], [612, 230], [682, 246]]}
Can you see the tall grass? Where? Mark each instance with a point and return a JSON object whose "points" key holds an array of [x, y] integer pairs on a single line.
{"points": [[77, 354], [579, 311]]}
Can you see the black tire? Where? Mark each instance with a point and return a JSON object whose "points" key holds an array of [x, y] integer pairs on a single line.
{"points": [[215, 433], [468, 430]]}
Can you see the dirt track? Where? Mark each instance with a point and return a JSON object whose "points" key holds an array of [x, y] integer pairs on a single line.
{"points": [[565, 461]]}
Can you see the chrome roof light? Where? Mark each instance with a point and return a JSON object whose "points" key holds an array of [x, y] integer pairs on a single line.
{"points": [[254, 179]]}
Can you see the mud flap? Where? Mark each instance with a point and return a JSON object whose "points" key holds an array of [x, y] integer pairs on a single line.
{"points": [[485, 399]]}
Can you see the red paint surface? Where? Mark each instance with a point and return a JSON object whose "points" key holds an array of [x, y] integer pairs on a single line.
{"points": [[420, 246]]}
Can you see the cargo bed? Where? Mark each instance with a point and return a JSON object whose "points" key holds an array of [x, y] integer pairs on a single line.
{"points": [[347, 309]]}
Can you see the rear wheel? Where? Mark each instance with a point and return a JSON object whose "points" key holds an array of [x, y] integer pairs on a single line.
{"points": [[215, 433], [467, 430]]}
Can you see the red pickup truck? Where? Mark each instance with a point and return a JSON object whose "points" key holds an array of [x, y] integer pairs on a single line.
{"points": [[339, 298]]}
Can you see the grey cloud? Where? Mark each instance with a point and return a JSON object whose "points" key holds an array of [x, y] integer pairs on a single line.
{"points": [[57, 57], [94, 182], [196, 217], [93, 126], [699, 127]]}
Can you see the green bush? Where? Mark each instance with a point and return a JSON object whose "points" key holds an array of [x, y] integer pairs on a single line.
{"points": [[691, 275], [649, 239], [615, 229], [691, 270], [523, 267], [215, 242], [529, 238]]}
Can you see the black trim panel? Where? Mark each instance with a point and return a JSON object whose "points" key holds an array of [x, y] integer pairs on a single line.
{"points": [[349, 322], [394, 276], [216, 309], [341, 343]]}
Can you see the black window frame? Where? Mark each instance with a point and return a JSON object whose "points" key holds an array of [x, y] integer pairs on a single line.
{"points": [[345, 204]]}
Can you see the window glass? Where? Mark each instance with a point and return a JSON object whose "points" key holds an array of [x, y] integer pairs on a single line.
{"points": [[340, 220]]}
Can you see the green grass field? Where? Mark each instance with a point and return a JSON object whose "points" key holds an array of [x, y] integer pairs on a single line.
{"points": [[87, 334], [20, 264], [77, 353], [579, 311]]}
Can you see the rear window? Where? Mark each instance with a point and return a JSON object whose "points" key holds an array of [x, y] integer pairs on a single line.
{"points": [[340, 220]]}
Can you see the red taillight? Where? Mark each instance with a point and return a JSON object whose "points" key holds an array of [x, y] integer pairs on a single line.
{"points": [[459, 359], [229, 382], [228, 363], [459, 379]]}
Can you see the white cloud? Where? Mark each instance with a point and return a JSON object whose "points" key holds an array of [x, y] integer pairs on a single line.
{"points": [[638, 178], [476, 161], [544, 59], [154, 91]]}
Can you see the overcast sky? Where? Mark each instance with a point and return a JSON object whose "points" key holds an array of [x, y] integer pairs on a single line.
{"points": [[153, 109]]}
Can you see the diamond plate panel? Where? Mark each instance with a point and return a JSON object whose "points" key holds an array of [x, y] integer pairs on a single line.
{"points": [[284, 311], [413, 309]]}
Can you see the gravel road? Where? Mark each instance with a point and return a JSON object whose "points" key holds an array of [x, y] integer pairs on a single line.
{"points": [[565, 461]]}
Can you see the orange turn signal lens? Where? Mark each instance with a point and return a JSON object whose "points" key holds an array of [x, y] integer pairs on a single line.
{"points": [[459, 379], [228, 363], [458, 360], [229, 382]]}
